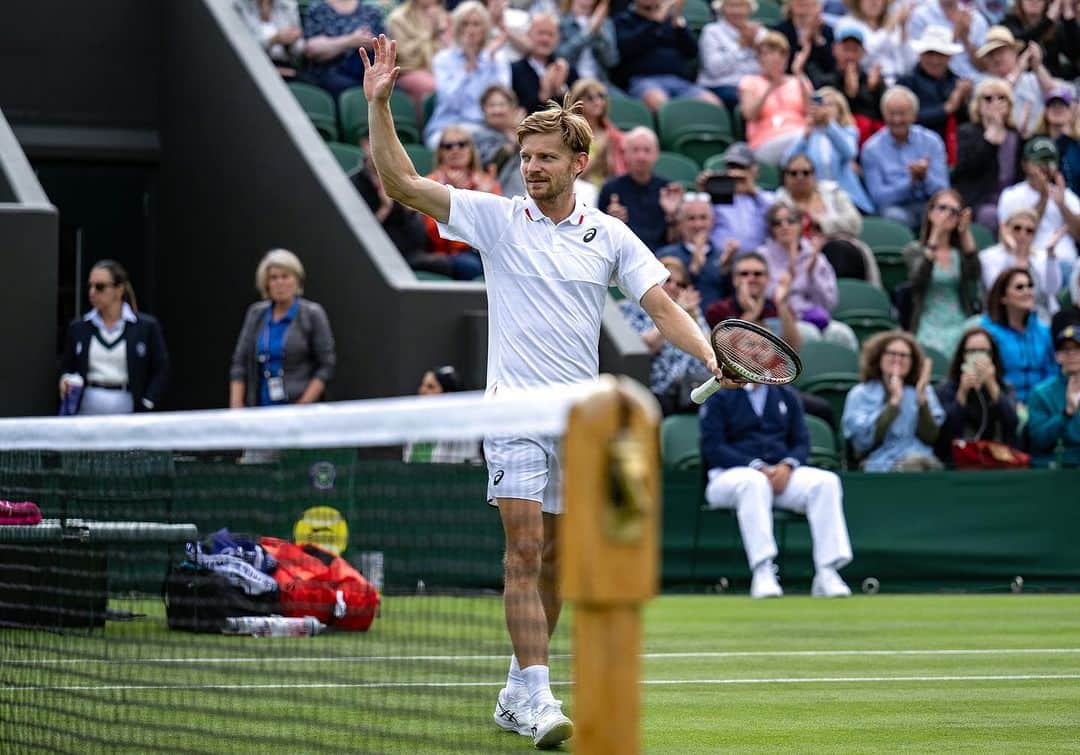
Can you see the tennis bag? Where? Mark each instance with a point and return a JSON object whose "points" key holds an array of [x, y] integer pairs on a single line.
{"points": [[198, 599], [315, 582]]}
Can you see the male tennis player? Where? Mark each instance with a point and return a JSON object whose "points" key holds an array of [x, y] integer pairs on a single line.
{"points": [[548, 261]]}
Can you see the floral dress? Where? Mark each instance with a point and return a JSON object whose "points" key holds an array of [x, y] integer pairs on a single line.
{"points": [[942, 322]]}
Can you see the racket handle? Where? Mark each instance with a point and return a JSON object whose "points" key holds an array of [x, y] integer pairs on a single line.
{"points": [[701, 394]]}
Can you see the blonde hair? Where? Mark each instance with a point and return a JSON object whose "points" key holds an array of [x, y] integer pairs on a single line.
{"points": [[833, 96], [991, 83], [474, 154], [1023, 212], [466, 9], [774, 40], [565, 119], [284, 259]]}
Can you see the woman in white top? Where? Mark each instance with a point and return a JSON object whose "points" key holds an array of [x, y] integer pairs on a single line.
{"points": [[1017, 250], [276, 25], [727, 49], [884, 36]]}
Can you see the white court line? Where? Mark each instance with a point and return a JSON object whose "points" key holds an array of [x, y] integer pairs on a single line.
{"points": [[650, 682], [562, 656]]}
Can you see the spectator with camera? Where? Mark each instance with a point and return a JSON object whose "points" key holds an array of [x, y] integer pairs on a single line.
{"points": [[1054, 407], [978, 403], [646, 202], [831, 141], [904, 164], [739, 204]]}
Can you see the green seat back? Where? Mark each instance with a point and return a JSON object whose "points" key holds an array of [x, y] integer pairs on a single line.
{"points": [[854, 295], [319, 106], [406, 123], [768, 176], [881, 232], [626, 113], [685, 119], [350, 158], [352, 105], [940, 367], [678, 168], [768, 12], [425, 275], [984, 238], [680, 438], [422, 158], [823, 450], [428, 107], [697, 13]]}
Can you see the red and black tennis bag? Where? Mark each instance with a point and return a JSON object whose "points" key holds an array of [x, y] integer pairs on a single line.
{"points": [[315, 582]]}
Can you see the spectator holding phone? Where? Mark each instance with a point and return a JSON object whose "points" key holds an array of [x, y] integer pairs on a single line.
{"points": [[893, 417], [1055, 405], [978, 403], [831, 141], [1015, 249]]}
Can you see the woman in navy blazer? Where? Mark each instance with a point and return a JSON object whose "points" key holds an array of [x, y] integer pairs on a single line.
{"points": [[119, 353]]}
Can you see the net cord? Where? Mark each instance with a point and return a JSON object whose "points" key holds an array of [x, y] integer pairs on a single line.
{"points": [[344, 424]]}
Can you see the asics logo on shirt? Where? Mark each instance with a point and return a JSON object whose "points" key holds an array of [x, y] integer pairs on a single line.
{"points": [[589, 235]]}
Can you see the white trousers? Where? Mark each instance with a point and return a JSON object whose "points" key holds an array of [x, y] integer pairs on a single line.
{"points": [[817, 493]]}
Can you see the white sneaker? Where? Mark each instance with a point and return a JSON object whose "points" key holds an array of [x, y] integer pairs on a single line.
{"points": [[512, 713], [550, 727], [764, 583], [828, 584]]}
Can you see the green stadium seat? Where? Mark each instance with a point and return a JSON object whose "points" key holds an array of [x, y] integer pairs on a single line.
{"points": [[939, 369], [627, 113], [406, 123], [768, 176], [768, 12], [697, 14], [823, 449], [680, 441], [428, 107], [319, 106], [422, 158], [350, 158], [678, 168], [863, 306], [882, 233], [829, 371], [424, 275], [984, 238], [352, 105], [694, 128]]}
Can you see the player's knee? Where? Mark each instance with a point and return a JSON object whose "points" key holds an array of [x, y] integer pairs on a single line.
{"points": [[523, 559]]}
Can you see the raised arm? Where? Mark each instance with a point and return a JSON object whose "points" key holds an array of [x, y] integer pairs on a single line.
{"points": [[398, 175]]}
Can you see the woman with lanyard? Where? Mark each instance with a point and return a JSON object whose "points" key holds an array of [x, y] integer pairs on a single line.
{"points": [[117, 353], [285, 352]]}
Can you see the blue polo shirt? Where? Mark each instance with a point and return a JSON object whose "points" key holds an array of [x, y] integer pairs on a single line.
{"points": [[271, 350]]}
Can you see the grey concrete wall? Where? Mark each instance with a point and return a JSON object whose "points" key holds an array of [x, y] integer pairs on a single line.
{"points": [[28, 235]]}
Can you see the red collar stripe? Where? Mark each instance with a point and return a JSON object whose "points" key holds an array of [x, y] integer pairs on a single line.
{"points": [[528, 214]]}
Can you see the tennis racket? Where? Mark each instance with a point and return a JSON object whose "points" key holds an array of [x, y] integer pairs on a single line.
{"points": [[749, 352]]}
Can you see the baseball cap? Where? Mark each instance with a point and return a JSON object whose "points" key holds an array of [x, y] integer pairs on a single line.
{"points": [[739, 154], [1068, 333], [1040, 150], [849, 31], [1065, 94]]}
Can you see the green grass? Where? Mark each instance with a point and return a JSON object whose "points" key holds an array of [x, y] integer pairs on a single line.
{"points": [[721, 674]]}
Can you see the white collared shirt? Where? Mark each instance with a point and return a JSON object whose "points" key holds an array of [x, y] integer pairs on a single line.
{"points": [[547, 283]]}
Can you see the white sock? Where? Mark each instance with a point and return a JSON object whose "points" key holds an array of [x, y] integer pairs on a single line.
{"points": [[767, 565], [539, 684], [515, 680]]}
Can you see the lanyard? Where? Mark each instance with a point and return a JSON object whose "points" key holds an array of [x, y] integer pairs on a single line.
{"points": [[264, 347]]}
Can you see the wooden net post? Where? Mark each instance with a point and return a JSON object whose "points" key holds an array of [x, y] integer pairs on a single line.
{"points": [[609, 556]]}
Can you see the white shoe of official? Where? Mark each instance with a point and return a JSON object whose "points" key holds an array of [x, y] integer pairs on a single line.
{"points": [[513, 713], [828, 584], [550, 726], [764, 583]]}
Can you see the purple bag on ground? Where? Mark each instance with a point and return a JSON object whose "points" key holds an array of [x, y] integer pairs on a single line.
{"points": [[24, 513], [224, 543]]}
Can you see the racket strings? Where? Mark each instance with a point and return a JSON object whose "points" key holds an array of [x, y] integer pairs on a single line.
{"points": [[754, 356]]}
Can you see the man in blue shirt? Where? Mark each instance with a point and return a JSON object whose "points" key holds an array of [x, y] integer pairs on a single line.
{"points": [[904, 164], [706, 263], [646, 202], [743, 220]]}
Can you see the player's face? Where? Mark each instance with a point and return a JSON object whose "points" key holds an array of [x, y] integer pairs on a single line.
{"points": [[548, 166]]}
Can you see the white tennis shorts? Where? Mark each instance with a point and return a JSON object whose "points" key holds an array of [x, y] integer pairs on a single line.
{"points": [[525, 467]]}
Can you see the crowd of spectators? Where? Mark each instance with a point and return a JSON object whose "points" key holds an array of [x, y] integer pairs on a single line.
{"points": [[945, 117]]}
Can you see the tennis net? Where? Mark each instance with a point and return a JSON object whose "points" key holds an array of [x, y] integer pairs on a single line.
{"points": [[148, 529]]}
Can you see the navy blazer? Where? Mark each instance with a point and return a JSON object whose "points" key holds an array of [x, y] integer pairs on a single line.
{"points": [[147, 357], [732, 434], [526, 84]]}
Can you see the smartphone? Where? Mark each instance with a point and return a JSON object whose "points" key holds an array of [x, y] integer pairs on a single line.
{"points": [[720, 188]]}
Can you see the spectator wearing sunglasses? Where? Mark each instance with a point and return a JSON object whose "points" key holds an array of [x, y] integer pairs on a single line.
{"points": [[944, 273], [119, 352], [988, 150], [1024, 342], [1016, 249], [812, 278]]}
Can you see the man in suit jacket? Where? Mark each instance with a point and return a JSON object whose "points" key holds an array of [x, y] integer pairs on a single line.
{"points": [[755, 443], [540, 76]]}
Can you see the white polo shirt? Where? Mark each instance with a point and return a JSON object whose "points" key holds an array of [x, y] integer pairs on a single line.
{"points": [[1022, 196], [547, 283]]}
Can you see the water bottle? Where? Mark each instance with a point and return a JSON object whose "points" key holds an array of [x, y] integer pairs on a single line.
{"points": [[69, 404], [274, 626]]}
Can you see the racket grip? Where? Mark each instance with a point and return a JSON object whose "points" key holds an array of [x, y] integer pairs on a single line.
{"points": [[701, 394]]}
